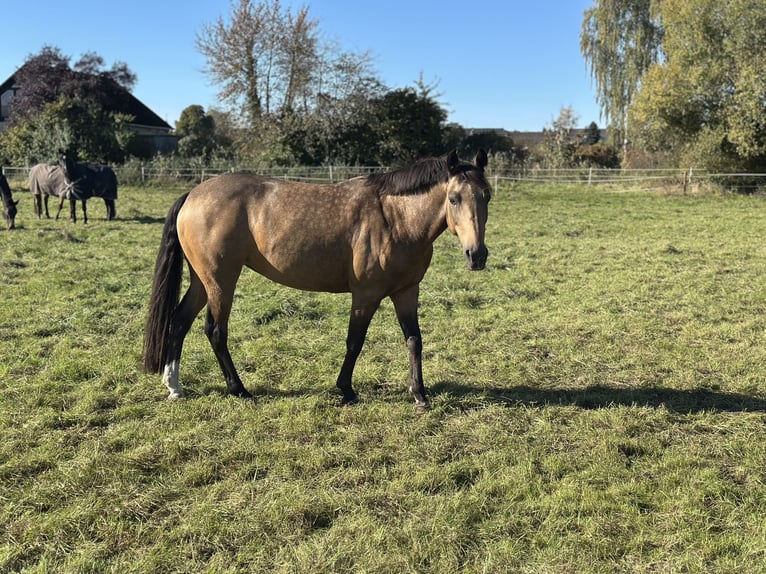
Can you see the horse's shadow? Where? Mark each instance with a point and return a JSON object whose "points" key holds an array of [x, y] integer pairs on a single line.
{"points": [[145, 220], [600, 396]]}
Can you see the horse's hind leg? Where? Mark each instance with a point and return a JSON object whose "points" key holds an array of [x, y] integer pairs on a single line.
{"points": [[84, 212], [183, 318], [217, 331]]}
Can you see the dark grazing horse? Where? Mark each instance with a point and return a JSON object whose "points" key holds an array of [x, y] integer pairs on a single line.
{"points": [[85, 181], [9, 206], [371, 236]]}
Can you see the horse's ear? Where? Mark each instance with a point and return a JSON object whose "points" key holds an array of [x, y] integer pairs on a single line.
{"points": [[453, 161], [481, 159]]}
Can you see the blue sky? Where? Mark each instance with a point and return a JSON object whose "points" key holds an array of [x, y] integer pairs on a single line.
{"points": [[509, 64]]}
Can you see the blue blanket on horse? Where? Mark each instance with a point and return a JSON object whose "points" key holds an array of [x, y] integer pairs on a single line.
{"points": [[92, 180]]}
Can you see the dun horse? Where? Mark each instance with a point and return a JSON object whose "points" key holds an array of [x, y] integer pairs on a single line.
{"points": [[9, 205], [86, 180], [371, 236]]}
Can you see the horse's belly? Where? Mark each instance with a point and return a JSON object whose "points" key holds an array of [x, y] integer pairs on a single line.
{"points": [[309, 271]]}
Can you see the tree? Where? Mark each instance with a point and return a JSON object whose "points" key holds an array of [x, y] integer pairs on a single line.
{"points": [[293, 94], [491, 141], [60, 106], [196, 131], [705, 99], [558, 144], [47, 76], [409, 124], [262, 58], [592, 134], [620, 40]]}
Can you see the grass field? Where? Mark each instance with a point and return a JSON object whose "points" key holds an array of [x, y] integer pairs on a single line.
{"points": [[598, 403]]}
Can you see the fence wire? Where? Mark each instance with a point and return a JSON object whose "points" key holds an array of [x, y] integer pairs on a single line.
{"points": [[686, 179]]}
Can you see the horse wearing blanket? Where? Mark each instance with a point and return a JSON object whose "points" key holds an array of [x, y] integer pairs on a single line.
{"points": [[73, 181]]}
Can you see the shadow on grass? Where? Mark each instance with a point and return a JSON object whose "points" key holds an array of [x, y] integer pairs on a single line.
{"points": [[144, 219], [599, 397]]}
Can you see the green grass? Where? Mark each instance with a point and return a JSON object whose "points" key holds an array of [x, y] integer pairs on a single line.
{"points": [[597, 392]]}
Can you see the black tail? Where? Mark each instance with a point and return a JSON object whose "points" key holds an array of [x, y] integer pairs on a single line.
{"points": [[166, 289]]}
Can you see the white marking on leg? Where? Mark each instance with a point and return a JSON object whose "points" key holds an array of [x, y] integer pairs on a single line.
{"points": [[170, 380]]}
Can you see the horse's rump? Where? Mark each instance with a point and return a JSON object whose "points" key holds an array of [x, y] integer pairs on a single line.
{"points": [[46, 179]]}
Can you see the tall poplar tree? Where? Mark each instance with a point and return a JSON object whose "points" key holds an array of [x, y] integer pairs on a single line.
{"points": [[620, 39]]}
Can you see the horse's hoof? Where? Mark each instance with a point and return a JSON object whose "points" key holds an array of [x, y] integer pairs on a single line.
{"points": [[175, 395], [349, 401], [243, 394], [422, 407]]}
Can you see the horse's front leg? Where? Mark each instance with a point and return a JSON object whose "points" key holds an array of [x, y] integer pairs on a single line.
{"points": [[406, 306], [361, 315], [84, 212]]}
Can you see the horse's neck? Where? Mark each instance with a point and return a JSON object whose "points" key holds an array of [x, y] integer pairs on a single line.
{"points": [[5, 194], [416, 217]]}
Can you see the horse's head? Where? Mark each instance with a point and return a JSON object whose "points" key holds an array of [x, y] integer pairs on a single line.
{"points": [[68, 165], [9, 206], [468, 194]]}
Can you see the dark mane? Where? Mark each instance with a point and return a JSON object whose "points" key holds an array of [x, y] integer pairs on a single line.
{"points": [[417, 178], [422, 176]]}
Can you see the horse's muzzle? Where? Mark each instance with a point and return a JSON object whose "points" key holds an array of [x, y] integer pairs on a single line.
{"points": [[476, 258]]}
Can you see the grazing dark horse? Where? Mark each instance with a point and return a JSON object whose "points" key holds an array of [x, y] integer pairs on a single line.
{"points": [[85, 181], [9, 206], [371, 236]]}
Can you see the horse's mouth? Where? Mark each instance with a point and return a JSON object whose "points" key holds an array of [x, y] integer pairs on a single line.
{"points": [[476, 258]]}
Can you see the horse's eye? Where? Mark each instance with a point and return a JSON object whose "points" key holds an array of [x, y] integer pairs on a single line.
{"points": [[454, 200]]}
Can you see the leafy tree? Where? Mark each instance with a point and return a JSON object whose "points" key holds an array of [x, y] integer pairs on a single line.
{"points": [[592, 134], [69, 107], [47, 76], [491, 141], [558, 145], [620, 39], [409, 124], [339, 127], [597, 155], [705, 99], [196, 131]]}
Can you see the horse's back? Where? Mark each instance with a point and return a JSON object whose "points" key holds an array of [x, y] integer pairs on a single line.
{"points": [[46, 179], [97, 180]]}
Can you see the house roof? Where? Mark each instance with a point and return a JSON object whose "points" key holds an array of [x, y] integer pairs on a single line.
{"points": [[126, 104]]}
